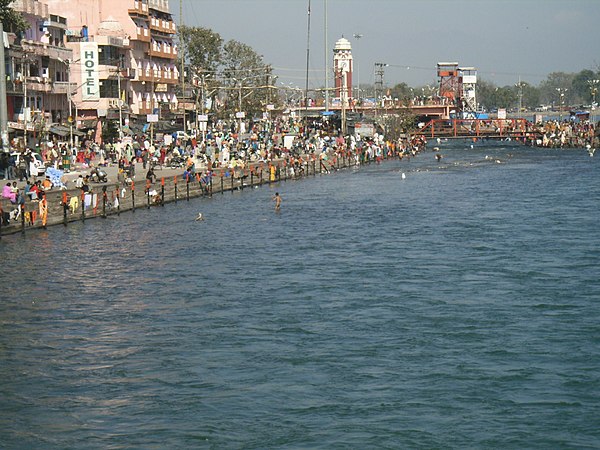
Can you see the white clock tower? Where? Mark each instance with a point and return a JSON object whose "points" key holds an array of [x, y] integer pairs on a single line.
{"points": [[343, 67]]}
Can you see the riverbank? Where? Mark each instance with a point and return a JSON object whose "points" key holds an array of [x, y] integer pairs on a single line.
{"points": [[62, 207]]}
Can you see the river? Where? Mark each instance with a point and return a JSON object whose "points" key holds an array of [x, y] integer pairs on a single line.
{"points": [[455, 307]]}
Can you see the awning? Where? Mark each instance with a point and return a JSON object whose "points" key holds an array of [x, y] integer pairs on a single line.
{"points": [[62, 131], [89, 124]]}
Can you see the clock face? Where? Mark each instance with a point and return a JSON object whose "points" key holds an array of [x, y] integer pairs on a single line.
{"points": [[344, 65]]}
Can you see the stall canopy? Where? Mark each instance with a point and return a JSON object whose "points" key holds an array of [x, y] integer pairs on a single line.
{"points": [[63, 131]]}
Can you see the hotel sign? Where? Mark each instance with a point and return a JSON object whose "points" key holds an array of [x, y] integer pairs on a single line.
{"points": [[89, 71]]}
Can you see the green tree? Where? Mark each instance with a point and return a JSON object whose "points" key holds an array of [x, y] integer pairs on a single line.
{"points": [[401, 91], [556, 80], [398, 124], [203, 48], [580, 86], [246, 78], [486, 94], [12, 20]]}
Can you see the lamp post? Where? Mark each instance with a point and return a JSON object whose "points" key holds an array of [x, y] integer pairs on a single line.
{"points": [[519, 86], [594, 89], [25, 110], [69, 100], [358, 37], [561, 94], [120, 101]]}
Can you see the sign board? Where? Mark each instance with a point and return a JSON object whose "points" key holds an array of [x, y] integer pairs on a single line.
{"points": [[240, 115], [90, 89], [501, 113], [161, 87], [288, 141], [202, 118], [270, 107], [364, 129], [152, 118]]}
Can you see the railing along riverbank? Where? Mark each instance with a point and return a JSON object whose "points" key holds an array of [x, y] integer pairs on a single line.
{"points": [[61, 207]]}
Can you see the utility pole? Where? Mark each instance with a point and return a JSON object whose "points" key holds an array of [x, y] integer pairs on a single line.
{"points": [[120, 102], [379, 72], [3, 106], [326, 63], [70, 100], [25, 111], [358, 37], [182, 52], [344, 95], [593, 90], [520, 93], [307, 66]]}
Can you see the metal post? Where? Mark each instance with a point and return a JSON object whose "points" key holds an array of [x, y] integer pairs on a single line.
{"points": [[162, 191], [120, 102], [148, 192], [4, 143], [119, 202], [82, 205], [104, 202], [24, 102]]}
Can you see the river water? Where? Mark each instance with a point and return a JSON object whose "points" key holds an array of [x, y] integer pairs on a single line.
{"points": [[455, 307]]}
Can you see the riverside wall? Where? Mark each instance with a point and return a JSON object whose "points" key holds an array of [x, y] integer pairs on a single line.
{"points": [[106, 199]]}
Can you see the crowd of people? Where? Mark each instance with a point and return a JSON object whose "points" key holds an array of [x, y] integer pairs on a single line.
{"points": [[223, 146]]}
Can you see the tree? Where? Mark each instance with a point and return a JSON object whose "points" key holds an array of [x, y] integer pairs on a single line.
{"points": [[486, 94], [246, 78], [203, 48], [12, 20], [398, 124], [554, 81], [401, 91], [581, 87]]}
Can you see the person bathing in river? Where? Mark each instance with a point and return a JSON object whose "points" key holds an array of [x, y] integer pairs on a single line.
{"points": [[277, 200]]}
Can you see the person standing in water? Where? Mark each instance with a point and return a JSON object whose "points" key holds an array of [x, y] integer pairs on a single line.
{"points": [[277, 199]]}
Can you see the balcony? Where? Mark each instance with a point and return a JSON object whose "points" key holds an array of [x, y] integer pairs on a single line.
{"points": [[39, 84], [163, 26], [158, 51], [143, 34], [159, 5], [62, 87], [14, 87], [159, 76], [139, 9], [33, 7]]}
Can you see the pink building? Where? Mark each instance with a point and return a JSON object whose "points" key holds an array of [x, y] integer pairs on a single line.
{"points": [[123, 53]]}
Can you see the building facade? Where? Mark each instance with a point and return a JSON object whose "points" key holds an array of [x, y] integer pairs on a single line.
{"points": [[36, 75], [124, 54]]}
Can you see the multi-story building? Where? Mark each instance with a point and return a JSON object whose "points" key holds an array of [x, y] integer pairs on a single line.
{"points": [[124, 52], [37, 82]]}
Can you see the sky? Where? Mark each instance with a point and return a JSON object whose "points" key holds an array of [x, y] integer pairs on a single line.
{"points": [[506, 40]]}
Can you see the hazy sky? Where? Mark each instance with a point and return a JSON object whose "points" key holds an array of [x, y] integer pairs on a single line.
{"points": [[503, 39]]}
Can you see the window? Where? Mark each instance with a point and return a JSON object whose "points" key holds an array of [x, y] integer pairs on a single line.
{"points": [[109, 89]]}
